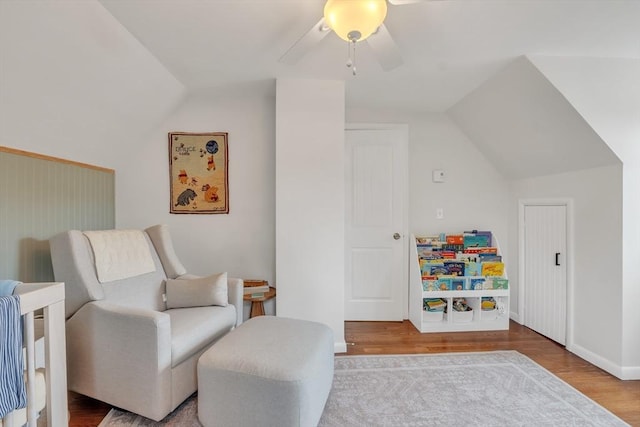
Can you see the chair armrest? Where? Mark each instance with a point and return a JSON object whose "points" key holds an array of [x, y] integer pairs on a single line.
{"points": [[111, 348], [236, 292]]}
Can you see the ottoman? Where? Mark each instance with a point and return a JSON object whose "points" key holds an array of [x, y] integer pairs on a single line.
{"points": [[269, 371]]}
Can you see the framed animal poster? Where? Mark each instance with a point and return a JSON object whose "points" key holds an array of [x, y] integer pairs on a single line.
{"points": [[198, 169]]}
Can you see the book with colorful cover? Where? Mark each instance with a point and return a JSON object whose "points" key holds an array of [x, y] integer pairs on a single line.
{"points": [[453, 248], [472, 269], [430, 285], [455, 239], [476, 284], [494, 269], [454, 268], [437, 269], [461, 256], [431, 257], [444, 283], [428, 240], [489, 257], [488, 303], [428, 251], [476, 241], [500, 283], [446, 254], [490, 250], [486, 234], [434, 304], [457, 284]]}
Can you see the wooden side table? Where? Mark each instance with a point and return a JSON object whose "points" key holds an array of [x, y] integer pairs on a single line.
{"points": [[257, 303]]}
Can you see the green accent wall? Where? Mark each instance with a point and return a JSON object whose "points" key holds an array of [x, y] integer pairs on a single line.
{"points": [[41, 196]]}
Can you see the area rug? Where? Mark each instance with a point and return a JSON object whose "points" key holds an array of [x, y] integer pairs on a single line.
{"points": [[501, 388]]}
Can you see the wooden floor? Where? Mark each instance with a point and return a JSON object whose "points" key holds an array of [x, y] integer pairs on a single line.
{"points": [[620, 397]]}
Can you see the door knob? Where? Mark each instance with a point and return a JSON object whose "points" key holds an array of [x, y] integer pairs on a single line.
{"points": [[396, 236]]}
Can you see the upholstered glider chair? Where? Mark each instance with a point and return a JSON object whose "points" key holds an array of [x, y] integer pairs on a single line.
{"points": [[136, 322]]}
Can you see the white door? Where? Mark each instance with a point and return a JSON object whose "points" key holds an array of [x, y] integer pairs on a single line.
{"points": [[545, 270], [376, 244]]}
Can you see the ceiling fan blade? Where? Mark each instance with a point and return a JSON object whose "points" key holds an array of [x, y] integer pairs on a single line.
{"points": [[385, 49], [305, 43]]}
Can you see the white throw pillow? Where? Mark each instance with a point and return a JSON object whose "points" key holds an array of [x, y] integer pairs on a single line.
{"points": [[201, 292]]}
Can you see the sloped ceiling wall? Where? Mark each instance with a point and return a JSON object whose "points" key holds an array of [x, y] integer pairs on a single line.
{"points": [[524, 125], [76, 84]]}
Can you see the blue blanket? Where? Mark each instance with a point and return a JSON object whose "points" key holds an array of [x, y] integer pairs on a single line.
{"points": [[13, 394], [7, 287]]}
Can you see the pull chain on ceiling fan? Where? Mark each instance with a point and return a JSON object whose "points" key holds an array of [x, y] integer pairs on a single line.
{"points": [[353, 21]]}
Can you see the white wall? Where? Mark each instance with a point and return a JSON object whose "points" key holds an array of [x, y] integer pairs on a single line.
{"points": [[310, 206], [242, 242], [75, 84], [595, 262], [474, 196], [606, 92]]}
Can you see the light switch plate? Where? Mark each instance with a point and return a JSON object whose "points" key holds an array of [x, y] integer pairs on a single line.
{"points": [[438, 175]]}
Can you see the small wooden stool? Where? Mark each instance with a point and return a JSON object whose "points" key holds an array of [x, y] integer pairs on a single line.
{"points": [[257, 303]]}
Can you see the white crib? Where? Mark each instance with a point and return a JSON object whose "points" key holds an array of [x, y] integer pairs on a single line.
{"points": [[50, 297]]}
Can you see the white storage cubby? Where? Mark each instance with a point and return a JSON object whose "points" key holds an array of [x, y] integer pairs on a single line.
{"points": [[452, 321]]}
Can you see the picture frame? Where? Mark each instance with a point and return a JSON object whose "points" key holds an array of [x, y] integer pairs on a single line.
{"points": [[199, 173]]}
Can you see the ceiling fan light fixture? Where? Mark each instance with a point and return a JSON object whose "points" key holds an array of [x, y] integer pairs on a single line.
{"points": [[348, 18]]}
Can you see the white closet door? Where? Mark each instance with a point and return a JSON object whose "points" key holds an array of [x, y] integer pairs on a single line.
{"points": [[545, 265]]}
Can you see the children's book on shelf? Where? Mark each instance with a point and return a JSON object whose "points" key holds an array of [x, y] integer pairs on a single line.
{"points": [[444, 283], [437, 269], [500, 283], [457, 284], [434, 304], [454, 268], [488, 251], [428, 240], [476, 284], [485, 234], [472, 268], [488, 303], [455, 239], [492, 268], [489, 257], [430, 285], [475, 241]]}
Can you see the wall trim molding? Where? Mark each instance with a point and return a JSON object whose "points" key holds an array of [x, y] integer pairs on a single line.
{"points": [[53, 159], [601, 362]]}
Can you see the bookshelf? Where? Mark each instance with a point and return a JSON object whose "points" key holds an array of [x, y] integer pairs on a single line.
{"points": [[460, 287]]}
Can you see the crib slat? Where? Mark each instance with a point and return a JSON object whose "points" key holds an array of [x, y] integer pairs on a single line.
{"points": [[31, 369], [50, 296], [8, 420], [56, 366]]}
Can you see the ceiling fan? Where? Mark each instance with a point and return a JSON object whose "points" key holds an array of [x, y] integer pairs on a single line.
{"points": [[354, 21]]}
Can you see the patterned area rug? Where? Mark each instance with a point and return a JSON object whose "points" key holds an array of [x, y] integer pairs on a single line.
{"points": [[502, 388]]}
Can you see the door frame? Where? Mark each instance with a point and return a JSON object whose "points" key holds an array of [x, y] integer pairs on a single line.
{"points": [[569, 259], [404, 130]]}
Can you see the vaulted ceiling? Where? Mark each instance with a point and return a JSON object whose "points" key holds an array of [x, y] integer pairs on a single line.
{"points": [[449, 47]]}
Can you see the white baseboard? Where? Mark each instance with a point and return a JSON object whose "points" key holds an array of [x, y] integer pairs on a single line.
{"points": [[623, 373], [515, 317], [630, 373], [340, 347]]}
